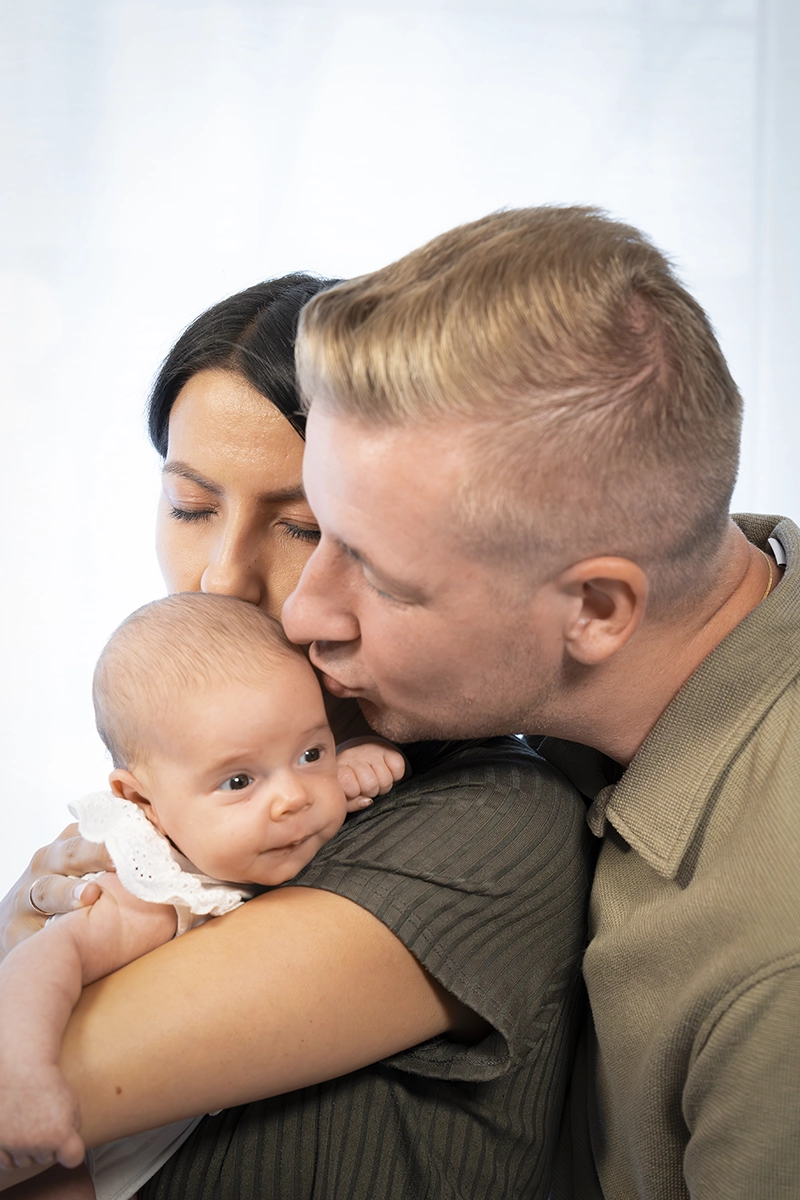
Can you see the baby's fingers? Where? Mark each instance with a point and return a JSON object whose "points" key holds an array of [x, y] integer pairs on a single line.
{"points": [[396, 764], [72, 1152], [21, 1160], [349, 783], [371, 779]]}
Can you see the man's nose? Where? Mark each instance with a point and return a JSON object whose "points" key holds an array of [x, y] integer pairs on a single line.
{"points": [[319, 609]]}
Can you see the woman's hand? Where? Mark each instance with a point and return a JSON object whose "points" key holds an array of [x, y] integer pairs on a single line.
{"points": [[51, 884]]}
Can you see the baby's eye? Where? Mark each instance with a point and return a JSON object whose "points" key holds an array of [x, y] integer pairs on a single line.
{"points": [[312, 755], [236, 783]]}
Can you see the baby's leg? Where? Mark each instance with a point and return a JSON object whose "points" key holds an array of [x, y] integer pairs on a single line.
{"points": [[56, 1183]]}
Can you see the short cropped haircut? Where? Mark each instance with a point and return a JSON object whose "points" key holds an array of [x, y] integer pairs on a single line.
{"points": [[172, 647], [600, 412]]}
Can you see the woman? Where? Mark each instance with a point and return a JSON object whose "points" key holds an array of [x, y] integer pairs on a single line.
{"points": [[408, 1004]]}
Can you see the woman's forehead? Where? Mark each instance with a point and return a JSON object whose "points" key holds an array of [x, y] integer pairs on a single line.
{"points": [[220, 423]]}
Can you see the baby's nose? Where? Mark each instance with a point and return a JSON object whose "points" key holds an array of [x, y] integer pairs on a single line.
{"points": [[289, 799]]}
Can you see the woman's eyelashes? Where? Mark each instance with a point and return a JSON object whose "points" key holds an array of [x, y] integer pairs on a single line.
{"points": [[191, 514], [302, 533], [299, 533]]}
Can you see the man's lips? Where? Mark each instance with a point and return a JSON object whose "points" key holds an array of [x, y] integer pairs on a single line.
{"points": [[334, 687], [330, 682]]}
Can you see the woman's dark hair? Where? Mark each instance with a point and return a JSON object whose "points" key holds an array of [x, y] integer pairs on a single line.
{"points": [[251, 334]]}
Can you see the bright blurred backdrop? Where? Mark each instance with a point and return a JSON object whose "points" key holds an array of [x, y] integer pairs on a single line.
{"points": [[158, 155]]}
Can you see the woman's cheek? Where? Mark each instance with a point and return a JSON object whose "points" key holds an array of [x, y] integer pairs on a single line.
{"points": [[180, 557], [286, 569]]}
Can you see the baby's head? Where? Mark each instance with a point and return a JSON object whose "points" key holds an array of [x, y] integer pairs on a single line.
{"points": [[217, 729]]}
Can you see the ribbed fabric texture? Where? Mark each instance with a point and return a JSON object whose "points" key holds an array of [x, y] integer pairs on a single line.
{"points": [[479, 864]]}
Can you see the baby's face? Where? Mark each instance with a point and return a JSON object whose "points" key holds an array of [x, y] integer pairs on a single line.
{"points": [[243, 778]]}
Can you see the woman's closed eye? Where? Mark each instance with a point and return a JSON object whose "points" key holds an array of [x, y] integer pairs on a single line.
{"points": [[236, 783], [302, 533], [191, 514]]}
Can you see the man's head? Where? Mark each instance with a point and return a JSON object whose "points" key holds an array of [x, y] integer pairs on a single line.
{"points": [[217, 729], [538, 391]]}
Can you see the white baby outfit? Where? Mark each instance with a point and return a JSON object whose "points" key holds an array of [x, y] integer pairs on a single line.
{"points": [[152, 869]]}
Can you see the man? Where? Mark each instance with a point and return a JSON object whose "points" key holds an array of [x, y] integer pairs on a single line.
{"points": [[522, 444]]}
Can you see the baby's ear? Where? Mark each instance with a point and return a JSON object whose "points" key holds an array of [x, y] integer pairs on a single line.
{"points": [[127, 787]]}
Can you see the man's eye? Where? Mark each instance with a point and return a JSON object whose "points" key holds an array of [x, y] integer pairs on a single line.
{"points": [[236, 783], [314, 754]]}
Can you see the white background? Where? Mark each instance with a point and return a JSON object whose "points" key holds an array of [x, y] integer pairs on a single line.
{"points": [[157, 155]]}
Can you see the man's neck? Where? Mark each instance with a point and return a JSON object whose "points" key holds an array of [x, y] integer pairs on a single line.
{"points": [[621, 702]]}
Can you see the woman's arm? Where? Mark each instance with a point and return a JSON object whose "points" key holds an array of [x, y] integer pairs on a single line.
{"points": [[297, 986], [49, 885]]}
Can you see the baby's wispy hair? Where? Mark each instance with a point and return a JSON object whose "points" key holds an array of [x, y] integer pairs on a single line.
{"points": [[170, 648]]}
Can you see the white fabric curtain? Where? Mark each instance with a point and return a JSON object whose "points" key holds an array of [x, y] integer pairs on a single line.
{"points": [[160, 154]]}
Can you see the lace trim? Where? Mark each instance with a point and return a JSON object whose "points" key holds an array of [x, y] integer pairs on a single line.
{"points": [[146, 863]]}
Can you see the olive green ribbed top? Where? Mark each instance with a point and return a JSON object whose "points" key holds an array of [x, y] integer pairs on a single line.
{"points": [[478, 864]]}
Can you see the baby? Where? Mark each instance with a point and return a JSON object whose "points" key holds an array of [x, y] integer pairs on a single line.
{"points": [[226, 780]]}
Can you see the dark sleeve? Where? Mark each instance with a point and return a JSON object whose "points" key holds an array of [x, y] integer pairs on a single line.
{"points": [[480, 865]]}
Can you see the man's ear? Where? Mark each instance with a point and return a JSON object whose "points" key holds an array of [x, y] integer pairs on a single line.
{"points": [[610, 597], [127, 787]]}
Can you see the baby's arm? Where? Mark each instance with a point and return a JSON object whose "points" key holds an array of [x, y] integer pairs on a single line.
{"points": [[40, 983], [368, 767]]}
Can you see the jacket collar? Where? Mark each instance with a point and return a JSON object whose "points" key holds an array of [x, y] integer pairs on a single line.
{"points": [[659, 801]]}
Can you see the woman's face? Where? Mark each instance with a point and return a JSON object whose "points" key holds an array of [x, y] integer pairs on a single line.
{"points": [[233, 518]]}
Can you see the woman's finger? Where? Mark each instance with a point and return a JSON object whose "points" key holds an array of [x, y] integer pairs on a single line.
{"points": [[70, 854], [51, 884], [51, 894]]}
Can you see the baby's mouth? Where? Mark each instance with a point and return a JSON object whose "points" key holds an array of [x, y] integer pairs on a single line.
{"points": [[290, 845]]}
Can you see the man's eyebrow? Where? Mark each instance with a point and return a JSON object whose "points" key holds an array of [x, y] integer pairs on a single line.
{"points": [[184, 471]]}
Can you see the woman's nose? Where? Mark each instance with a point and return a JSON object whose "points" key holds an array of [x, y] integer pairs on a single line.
{"points": [[231, 571]]}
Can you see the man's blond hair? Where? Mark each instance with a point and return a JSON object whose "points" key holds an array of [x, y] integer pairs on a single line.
{"points": [[169, 649], [600, 411]]}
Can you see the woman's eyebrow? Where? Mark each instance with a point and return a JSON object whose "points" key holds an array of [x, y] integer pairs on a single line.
{"points": [[184, 471]]}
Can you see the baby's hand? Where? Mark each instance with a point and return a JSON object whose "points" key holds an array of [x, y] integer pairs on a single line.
{"points": [[39, 1119], [368, 767]]}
